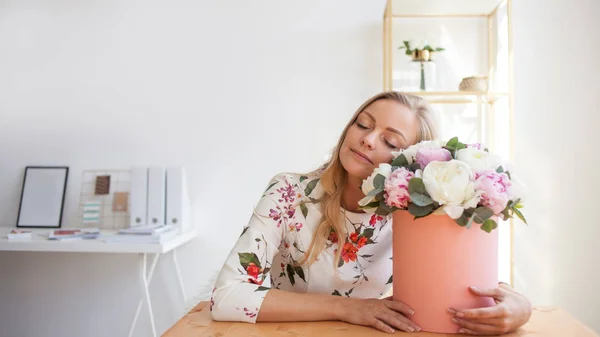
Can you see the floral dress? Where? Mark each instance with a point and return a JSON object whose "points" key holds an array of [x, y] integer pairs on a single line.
{"points": [[277, 236]]}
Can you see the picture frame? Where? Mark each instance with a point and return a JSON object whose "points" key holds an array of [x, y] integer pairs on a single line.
{"points": [[43, 197]]}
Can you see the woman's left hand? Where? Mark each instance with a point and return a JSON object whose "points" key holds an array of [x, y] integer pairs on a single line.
{"points": [[511, 311]]}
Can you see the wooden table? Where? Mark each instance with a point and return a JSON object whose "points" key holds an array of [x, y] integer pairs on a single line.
{"points": [[546, 322]]}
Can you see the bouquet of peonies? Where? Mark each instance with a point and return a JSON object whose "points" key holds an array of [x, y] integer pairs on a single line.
{"points": [[466, 182]]}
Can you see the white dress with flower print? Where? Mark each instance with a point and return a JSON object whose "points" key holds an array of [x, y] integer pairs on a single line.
{"points": [[279, 232]]}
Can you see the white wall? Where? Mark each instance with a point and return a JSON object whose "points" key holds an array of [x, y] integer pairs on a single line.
{"points": [[236, 91], [557, 48]]}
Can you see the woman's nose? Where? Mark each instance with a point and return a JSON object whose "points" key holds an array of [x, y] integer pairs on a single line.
{"points": [[368, 140]]}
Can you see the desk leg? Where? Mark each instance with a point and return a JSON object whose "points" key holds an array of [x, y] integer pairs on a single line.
{"points": [[177, 270], [146, 278]]}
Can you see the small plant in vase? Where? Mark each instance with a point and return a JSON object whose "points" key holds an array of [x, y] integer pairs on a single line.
{"points": [[421, 54]]}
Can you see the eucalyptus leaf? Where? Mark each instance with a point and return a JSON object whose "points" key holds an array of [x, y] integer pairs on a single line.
{"points": [[519, 214], [375, 192], [481, 214], [420, 199], [419, 211], [400, 161], [379, 181], [489, 225], [416, 185]]}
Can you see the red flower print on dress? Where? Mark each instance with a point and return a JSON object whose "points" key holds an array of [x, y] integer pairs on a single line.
{"points": [[349, 252], [354, 237], [333, 237], [361, 242], [253, 271], [374, 219]]}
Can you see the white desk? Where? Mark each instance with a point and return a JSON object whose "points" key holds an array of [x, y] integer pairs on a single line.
{"points": [[40, 243]]}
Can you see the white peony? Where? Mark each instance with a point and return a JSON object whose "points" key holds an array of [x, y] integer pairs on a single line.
{"points": [[451, 184], [367, 186], [478, 160], [411, 151]]}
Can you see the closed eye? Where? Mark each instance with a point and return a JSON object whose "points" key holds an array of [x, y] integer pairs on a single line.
{"points": [[361, 126], [390, 145]]}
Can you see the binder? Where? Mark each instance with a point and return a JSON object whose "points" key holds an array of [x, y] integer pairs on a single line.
{"points": [[138, 196], [156, 196], [178, 207]]}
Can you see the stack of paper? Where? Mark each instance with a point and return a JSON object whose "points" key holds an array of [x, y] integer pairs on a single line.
{"points": [[144, 234]]}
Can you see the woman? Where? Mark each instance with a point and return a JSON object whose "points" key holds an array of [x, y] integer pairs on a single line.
{"points": [[328, 260]]}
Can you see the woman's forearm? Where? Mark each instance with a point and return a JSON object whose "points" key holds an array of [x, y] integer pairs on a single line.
{"points": [[280, 306]]}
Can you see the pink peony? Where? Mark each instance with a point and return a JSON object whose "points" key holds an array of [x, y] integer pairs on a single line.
{"points": [[426, 156], [493, 189], [396, 188]]}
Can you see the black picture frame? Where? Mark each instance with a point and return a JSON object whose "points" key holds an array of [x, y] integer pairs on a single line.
{"points": [[27, 216]]}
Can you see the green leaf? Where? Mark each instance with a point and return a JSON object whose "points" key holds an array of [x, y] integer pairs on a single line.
{"points": [[419, 211], [463, 220], [379, 181], [383, 209], [290, 273], [375, 192], [372, 204], [340, 263], [390, 280], [304, 209], [247, 258], [481, 214], [508, 174], [368, 233], [489, 225], [452, 142], [303, 178], [416, 185], [439, 49], [244, 231], [300, 273], [336, 293], [268, 188], [257, 240], [420, 199], [500, 169], [310, 187], [400, 161], [414, 167], [366, 256], [519, 214], [366, 278], [261, 288]]}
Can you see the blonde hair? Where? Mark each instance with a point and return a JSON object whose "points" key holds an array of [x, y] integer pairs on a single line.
{"points": [[334, 176]]}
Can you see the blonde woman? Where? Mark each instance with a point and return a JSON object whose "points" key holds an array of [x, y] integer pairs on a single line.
{"points": [[328, 260]]}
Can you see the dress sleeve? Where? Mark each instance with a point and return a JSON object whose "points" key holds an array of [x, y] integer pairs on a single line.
{"points": [[238, 293]]}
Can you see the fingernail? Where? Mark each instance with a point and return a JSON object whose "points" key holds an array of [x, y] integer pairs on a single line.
{"points": [[418, 328], [474, 288], [461, 331], [412, 312], [411, 328], [454, 320], [460, 314], [392, 330], [452, 311]]}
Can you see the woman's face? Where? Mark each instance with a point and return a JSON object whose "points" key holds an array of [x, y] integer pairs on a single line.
{"points": [[382, 127]]}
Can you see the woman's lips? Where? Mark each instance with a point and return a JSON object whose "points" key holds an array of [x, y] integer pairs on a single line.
{"points": [[362, 155]]}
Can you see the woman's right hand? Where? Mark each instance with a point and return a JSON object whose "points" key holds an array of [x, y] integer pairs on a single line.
{"points": [[386, 314]]}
